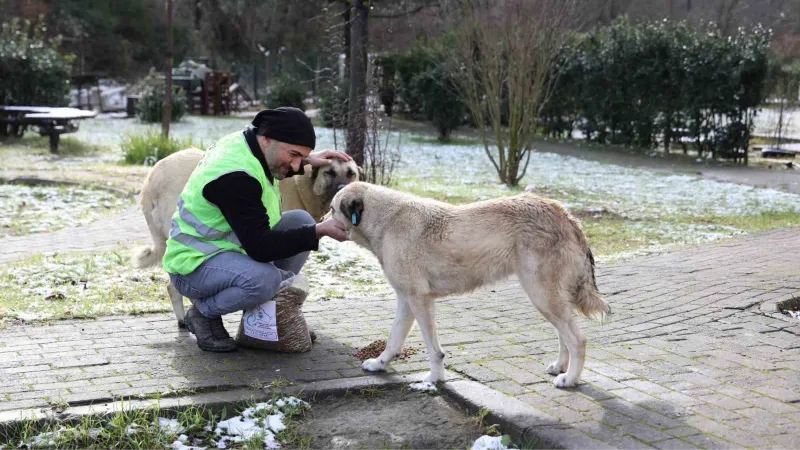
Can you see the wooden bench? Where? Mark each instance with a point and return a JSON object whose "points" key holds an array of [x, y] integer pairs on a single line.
{"points": [[51, 121]]}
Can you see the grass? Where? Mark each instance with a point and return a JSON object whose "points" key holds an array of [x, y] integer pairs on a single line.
{"points": [[34, 209], [33, 143], [51, 287], [616, 238], [452, 141], [149, 147], [141, 429], [79, 285], [754, 223]]}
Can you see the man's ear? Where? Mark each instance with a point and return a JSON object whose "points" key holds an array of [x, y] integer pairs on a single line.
{"points": [[353, 209]]}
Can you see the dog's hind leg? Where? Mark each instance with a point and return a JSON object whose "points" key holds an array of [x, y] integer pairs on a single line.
{"points": [[425, 314], [177, 304], [403, 319], [576, 344], [557, 310], [559, 365]]}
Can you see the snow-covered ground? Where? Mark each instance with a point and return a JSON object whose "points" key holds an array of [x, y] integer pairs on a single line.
{"points": [[80, 285], [33, 209]]}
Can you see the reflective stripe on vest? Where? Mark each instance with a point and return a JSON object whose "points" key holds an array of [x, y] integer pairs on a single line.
{"points": [[188, 240], [201, 228]]}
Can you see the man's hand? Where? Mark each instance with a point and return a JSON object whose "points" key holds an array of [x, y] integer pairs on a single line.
{"points": [[331, 228], [323, 158]]}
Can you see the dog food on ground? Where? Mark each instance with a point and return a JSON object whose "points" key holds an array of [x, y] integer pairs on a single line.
{"points": [[375, 349]]}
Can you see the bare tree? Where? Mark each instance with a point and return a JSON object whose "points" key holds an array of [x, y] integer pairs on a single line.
{"points": [[380, 158], [357, 117], [726, 15], [167, 117], [506, 53], [356, 20], [609, 10]]}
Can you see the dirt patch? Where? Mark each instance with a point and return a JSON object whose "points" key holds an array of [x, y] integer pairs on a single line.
{"points": [[596, 213], [389, 419]]}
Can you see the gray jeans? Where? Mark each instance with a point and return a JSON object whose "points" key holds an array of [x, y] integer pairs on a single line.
{"points": [[232, 281]]}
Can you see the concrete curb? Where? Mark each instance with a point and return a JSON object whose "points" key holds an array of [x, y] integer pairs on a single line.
{"points": [[214, 401], [525, 424]]}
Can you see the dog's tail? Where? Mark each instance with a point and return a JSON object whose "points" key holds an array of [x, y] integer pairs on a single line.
{"points": [[148, 256], [587, 300]]}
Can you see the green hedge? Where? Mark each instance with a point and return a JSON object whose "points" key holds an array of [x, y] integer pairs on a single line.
{"points": [[150, 107], [653, 83], [287, 92], [32, 71], [423, 82]]}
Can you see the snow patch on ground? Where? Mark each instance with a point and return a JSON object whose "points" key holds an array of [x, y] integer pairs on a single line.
{"points": [[35, 209]]}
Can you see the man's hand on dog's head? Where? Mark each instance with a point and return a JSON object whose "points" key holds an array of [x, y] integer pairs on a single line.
{"points": [[324, 158], [331, 228]]}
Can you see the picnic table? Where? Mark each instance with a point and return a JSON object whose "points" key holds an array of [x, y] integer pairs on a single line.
{"points": [[51, 121]]}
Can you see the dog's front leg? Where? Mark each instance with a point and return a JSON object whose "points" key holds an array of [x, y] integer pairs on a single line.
{"points": [[425, 313], [403, 320]]}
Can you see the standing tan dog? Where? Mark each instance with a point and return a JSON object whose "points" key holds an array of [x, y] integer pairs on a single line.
{"points": [[429, 249], [312, 192]]}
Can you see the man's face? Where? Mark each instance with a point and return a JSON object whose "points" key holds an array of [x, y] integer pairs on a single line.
{"points": [[282, 157]]}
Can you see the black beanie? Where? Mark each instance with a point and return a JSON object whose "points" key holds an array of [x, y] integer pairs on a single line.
{"points": [[286, 124]]}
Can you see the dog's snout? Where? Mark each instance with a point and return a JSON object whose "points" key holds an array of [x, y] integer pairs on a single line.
{"points": [[339, 187]]}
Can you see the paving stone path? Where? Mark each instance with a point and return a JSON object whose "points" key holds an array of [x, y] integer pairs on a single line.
{"points": [[694, 355]]}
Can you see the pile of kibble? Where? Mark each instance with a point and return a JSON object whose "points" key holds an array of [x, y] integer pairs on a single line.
{"points": [[375, 349]]}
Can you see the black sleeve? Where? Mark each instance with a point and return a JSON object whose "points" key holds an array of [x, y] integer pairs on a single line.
{"points": [[238, 196]]}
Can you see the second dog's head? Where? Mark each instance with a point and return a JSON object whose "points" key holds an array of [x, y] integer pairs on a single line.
{"points": [[329, 180], [348, 205]]}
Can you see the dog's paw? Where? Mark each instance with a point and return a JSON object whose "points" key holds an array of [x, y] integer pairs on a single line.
{"points": [[373, 365], [556, 368], [562, 381], [432, 378]]}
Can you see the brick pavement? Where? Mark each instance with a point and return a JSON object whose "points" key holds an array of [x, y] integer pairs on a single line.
{"points": [[694, 354]]}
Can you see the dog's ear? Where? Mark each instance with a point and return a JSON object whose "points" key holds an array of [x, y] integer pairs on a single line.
{"points": [[314, 173], [353, 208], [361, 175]]}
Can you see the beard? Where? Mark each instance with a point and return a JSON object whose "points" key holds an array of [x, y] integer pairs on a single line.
{"points": [[276, 172], [272, 165]]}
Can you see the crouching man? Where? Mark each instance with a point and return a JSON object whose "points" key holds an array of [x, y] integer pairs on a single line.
{"points": [[229, 247]]}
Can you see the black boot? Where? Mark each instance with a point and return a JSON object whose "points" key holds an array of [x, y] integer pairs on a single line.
{"points": [[203, 329], [219, 332]]}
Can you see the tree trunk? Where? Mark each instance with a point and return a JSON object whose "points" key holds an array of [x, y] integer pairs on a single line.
{"points": [[346, 21], [168, 75], [356, 116], [512, 167]]}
